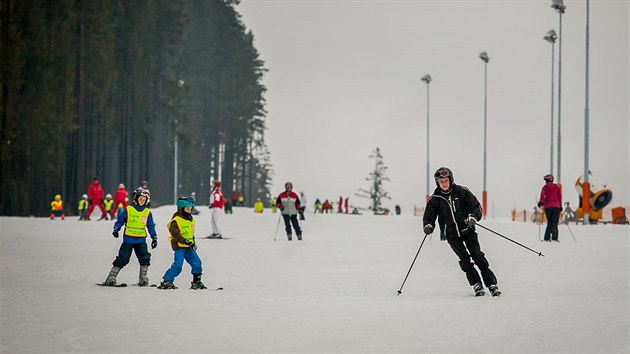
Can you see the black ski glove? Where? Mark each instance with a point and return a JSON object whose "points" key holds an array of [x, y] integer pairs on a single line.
{"points": [[540, 204], [191, 244], [470, 220], [115, 233], [428, 229], [154, 243]]}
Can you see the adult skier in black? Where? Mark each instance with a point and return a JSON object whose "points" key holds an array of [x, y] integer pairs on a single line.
{"points": [[459, 210]]}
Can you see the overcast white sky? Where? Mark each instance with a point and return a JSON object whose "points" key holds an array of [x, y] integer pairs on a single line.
{"points": [[344, 78]]}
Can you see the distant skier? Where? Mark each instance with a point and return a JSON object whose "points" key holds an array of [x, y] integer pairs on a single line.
{"points": [[258, 206], [317, 206], [551, 200], [96, 194], [137, 218], [181, 230], [120, 199], [303, 205], [289, 204], [83, 207], [108, 202], [459, 209], [216, 206], [56, 208]]}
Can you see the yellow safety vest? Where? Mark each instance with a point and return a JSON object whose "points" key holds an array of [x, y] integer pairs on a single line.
{"points": [[108, 204], [136, 222], [186, 229], [57, 205], [83, 204]]}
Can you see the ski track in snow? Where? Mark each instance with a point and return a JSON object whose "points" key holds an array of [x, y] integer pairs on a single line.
{"points": [[334, 292]]}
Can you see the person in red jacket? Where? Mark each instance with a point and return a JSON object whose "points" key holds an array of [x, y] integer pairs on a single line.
{"points": [[289, 204], [120, 199], [216, 206], [96, 194], [551, 200]]}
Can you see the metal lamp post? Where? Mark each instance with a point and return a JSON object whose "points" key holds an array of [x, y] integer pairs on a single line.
{"points": [[560, 9], [551, 38], [180, 84], [586, 185], [427, 80], [484, 56]]}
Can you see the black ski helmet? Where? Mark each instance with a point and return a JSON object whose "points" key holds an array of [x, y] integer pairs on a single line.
{"points": [[548, 177], [443, 172], [141, 191]]}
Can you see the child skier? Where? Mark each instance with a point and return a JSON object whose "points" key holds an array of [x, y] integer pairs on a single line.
{"points": [[258, 206], [56, 207], [181, 230], [83, 207], [109, 206], [137, 218], [459, 210]]}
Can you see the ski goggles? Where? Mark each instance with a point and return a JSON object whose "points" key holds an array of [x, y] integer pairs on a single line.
{"points": [[442, 174]]}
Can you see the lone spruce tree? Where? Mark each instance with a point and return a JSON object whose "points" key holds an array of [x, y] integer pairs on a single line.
{"points": [[376, 193]]}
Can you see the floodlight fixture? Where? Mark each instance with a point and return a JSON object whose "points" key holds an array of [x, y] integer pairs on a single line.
{"points": [[558, 6], [426, 78], [551, 36], [484, 57]]}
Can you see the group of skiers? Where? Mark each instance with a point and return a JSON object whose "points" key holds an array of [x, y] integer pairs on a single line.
{"points": [[95, 197], [138, 224], [454, 207]]}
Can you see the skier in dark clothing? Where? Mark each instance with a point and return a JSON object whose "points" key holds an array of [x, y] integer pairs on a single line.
{"points": [[459, 210]]}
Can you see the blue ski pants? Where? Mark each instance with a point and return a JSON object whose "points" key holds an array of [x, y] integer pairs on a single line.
{"points": [[180, 255]]}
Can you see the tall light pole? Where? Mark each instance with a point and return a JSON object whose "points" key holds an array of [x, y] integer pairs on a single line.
{"points": [[427, 80], [551, 38], [180, 84], [560, 8], [484, 56], [586, 192]]}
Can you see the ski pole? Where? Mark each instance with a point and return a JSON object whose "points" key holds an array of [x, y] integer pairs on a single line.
{"points": [[509, 239], [567, 223], [277, 226], [414, 261]]}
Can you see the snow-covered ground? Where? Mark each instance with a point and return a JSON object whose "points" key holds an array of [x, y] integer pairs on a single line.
{"points": [[334, 292]]}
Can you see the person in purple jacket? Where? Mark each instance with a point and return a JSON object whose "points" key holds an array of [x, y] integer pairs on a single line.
{"points": [[551, 200]]}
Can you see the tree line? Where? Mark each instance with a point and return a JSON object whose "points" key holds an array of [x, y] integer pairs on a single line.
{"points": [[120, 90]]}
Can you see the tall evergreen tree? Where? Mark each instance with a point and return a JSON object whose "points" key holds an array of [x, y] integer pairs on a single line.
{"points": [[376, 193]]}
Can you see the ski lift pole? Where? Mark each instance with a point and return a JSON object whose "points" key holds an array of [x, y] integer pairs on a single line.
{"points": [[509, 239], [412, 263]]}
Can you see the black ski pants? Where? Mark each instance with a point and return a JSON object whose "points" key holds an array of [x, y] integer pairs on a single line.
{"points": [[291, 219], [553, 218], [124, 254], [466, 248]]}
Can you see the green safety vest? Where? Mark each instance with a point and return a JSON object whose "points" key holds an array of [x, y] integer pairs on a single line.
{"points": [[136, 222], [186, 229]]}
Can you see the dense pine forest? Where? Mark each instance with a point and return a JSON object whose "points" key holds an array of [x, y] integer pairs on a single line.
{"points": [[123, 90]]}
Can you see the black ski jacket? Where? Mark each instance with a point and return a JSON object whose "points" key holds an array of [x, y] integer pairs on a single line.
{"points": [[452, 208]]}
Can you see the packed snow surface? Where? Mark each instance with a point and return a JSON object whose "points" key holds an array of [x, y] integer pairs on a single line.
{"points": [[333, 292]]}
